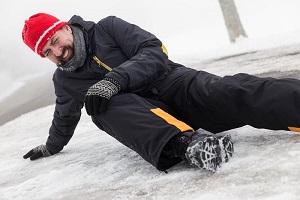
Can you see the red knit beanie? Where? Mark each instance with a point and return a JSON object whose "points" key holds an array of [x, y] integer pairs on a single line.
{"points": [[38, 29]]}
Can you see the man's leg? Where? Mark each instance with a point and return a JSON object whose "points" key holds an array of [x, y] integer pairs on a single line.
{"points": [[260, 102], [141, 126], [218, 103], [158, 137]]}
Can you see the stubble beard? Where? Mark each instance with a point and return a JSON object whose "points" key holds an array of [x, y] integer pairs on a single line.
{"points": [[62, 61]]}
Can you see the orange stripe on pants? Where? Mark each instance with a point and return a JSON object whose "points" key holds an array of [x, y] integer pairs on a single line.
{"points": [[172, 120], [295, 129]]}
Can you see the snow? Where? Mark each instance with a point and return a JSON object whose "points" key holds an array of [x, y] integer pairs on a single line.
{"points": [[93, 165]]}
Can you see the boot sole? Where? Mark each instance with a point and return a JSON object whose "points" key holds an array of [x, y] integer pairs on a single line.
{"points": [[205, 153]]}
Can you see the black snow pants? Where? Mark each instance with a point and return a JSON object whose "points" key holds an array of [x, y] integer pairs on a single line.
{"points": [[199, 100], [142, 126], [217, 104]]}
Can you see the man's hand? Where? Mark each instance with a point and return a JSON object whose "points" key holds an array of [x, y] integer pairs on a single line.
{"points": [[40, 151], [98, 95]]}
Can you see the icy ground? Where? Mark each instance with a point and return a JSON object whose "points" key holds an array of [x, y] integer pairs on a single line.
{"points": [[266, 164]]}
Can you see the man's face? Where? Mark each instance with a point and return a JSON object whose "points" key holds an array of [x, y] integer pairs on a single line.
{"points": [[60, 47]]}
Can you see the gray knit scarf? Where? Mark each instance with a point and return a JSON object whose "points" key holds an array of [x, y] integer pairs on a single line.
{"points": [[79, 52]]}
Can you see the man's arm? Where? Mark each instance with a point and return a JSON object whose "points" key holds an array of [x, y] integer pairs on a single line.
{"points": [[66, 117], [147, 62], [147, 56]]}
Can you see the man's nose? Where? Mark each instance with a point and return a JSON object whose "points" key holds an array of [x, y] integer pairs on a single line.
{"points": [[56, 50]]}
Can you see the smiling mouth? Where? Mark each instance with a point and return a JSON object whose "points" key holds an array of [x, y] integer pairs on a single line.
{"points": [[66, 55]]}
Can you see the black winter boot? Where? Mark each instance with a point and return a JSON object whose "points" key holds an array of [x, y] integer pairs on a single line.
{"points": [[179, 144], [204, 152], [202, 149]]}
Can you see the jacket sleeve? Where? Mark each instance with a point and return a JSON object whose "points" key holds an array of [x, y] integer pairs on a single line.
{"points": [[66, 117], [147, 57]]}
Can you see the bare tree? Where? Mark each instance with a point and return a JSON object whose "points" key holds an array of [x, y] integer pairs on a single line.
{"points": [[232, 20]]}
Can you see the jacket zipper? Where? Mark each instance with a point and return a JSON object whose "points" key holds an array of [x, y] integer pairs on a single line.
{"points": [[100, 63]]}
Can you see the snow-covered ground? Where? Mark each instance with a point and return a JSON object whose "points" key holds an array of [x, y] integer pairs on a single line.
{"points": [[95, 166], [266, 164]]}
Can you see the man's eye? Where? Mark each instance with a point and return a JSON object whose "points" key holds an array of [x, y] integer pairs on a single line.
{"points": [[55, 41]]}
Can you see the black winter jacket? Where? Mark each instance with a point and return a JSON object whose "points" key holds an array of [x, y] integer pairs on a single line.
{"points": [[132, 56]]}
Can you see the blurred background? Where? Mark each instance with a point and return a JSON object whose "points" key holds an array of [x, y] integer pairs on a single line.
{"points": [[191, 30]]}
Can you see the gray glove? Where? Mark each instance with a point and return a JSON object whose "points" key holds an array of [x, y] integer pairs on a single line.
{"points": [[40, 151], [98, 95]]}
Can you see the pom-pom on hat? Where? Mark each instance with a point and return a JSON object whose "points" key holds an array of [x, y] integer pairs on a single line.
{"points": [[38, 29]]}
